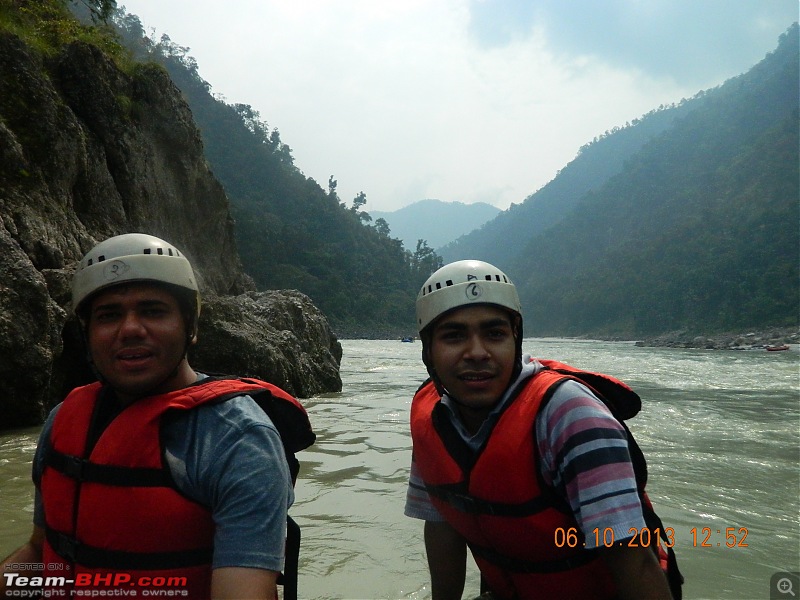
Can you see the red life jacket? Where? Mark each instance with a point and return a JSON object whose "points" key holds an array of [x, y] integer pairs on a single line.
{"points": [[495, 499], [113, 516]]}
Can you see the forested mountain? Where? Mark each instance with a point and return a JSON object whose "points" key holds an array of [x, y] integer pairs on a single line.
{"points": [[292, 233], [698, 231], [499, 240], [686, 218], [436, 222]]}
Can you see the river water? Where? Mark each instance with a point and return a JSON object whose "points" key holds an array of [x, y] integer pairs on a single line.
{"points": [[720, 430]]}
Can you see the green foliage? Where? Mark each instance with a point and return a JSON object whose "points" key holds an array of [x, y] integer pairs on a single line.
{"points": [[699, 231], [48, 25], [291, 233], [596, 163], [99, 10]]}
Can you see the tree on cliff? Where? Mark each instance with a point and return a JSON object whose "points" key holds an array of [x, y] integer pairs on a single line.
{"points": [[100, 9]]}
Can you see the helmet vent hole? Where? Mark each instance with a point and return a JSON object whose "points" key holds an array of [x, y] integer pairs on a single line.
{"points": [[146, 251], [160, 251], [438, 285], [449, 282]]}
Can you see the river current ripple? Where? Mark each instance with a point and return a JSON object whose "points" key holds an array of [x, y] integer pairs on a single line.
{"points": [[720, 430]]}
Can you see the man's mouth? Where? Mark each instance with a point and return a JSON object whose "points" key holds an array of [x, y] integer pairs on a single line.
{"points": [[475, 376], [133, 354]]}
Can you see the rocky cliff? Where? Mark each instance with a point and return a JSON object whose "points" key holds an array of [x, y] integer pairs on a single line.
{"points": [[88, 151]]}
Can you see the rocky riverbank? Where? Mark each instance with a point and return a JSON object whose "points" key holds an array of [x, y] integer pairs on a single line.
{"points": [[749, 340]]}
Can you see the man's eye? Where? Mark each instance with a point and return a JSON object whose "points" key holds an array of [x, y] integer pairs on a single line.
{"points": [[106, 317], [498, 334], [449, 336]]}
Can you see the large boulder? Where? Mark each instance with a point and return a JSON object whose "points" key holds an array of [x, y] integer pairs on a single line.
{"points": [[278, 336]]}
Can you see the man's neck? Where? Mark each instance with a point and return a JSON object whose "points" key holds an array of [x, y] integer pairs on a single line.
{"points": [[183, 376]]}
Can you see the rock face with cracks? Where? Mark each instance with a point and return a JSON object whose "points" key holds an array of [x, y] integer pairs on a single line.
{"points": [[86, 152]]}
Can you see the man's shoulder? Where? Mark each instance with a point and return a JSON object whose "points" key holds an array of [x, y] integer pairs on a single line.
{"points": [[240, 412], [239, 409], [571, 402]]}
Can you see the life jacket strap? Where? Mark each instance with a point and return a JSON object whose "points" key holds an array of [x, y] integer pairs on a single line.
{"points": [[82, 470], [85, 555], [518, 565], [472, 505]]}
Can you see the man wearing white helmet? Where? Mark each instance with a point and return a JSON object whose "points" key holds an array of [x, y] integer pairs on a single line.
{"points": [[520, 461], [156, 473]]}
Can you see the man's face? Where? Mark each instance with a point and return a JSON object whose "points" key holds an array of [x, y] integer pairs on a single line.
{"points": [[137, 339], [473, 350]]}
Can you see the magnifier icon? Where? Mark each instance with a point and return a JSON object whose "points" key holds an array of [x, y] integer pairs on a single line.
{"points": [[784, 586]]}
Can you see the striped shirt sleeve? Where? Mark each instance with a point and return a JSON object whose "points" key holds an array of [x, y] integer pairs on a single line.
{"points": [[418, 502], [585, 457]]}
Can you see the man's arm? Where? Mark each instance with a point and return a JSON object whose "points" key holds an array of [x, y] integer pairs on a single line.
{"points": [[637, 573], [234, 583], [30, 553], [447, 560], [235, 464]]}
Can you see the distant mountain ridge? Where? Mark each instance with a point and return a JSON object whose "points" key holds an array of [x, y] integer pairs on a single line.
{"points": [[695, 229], [435, 221], [684, 220], [291, 233], [596, 163]]}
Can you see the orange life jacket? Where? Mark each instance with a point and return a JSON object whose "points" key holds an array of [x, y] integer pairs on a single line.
{"points": [[496, 500], [113, 516]]}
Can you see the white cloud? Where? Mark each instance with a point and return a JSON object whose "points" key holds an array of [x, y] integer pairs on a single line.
{"points": [[405, 100]]}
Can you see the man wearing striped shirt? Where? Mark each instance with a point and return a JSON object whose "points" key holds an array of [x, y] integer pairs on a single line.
{"points": [[532, 473]]}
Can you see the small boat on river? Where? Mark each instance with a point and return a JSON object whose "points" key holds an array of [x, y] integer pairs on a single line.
{"points": [[777, 348]]}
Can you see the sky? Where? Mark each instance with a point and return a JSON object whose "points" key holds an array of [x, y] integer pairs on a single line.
{"points": [[459, 100]]}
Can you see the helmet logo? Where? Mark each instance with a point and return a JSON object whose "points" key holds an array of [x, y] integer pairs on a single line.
{"points": [[473, 291], [115, 269]]}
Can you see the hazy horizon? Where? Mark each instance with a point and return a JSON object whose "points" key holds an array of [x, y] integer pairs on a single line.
{"points": [[459, 100]]}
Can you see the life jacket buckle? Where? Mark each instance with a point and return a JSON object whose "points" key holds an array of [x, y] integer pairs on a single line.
{"points": [[470, 504], [74, 468], [65, 546]]}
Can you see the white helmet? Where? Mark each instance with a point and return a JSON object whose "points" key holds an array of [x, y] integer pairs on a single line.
{"points": [[128, 258], [463, 283]]}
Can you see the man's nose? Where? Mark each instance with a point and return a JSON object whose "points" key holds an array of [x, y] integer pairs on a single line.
{"points": [[476, 347], [131, 325]]}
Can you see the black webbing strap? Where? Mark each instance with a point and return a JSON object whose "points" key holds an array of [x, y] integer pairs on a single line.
{"points": [[477, 506], [288, 578], [518, 565], [70, 549], [81, 469]]}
